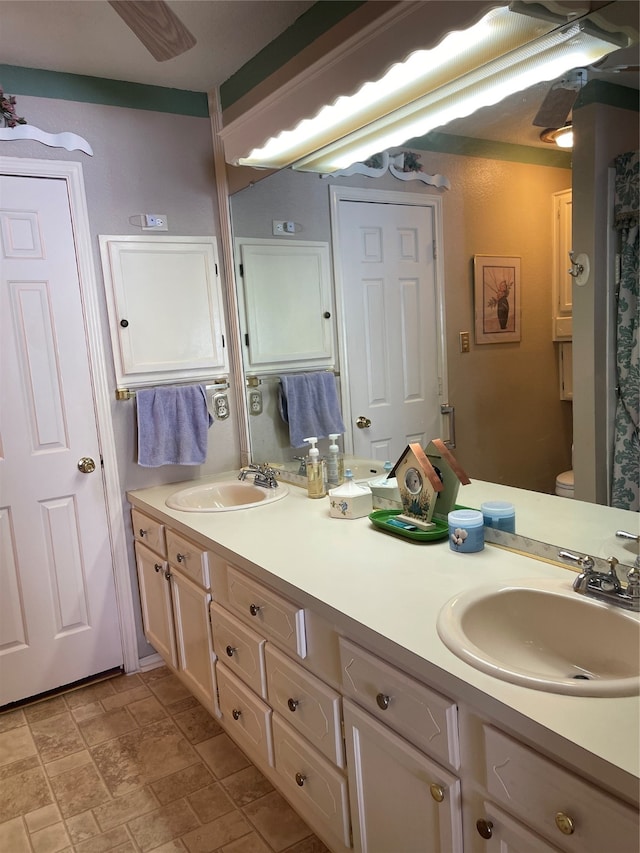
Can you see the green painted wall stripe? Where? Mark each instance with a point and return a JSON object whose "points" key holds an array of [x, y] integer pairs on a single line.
{"points": [[447, 143], [98, 90], [601, 92], [307, 28]]}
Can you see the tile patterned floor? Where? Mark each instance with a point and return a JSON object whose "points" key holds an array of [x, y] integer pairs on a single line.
{"points": [[135, 764]]}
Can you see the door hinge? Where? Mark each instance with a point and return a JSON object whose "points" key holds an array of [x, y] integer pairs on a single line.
{"points": [[223, 342], [241, 268], [435, 251], [101, 462], [246, 339], [216, 268]]}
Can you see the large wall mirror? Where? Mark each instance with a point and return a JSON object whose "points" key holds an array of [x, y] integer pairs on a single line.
{"points": [[514, 418]]}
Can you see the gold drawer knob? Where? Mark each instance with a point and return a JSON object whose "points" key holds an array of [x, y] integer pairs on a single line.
{"points": [[437, 792], [236, 714], [293, 704], [300, 779], [565, 824]]}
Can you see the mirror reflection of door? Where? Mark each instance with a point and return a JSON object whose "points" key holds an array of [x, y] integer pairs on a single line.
{"points": [[393, 347]]}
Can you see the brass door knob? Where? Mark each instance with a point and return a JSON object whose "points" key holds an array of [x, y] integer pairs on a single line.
{"points": [[362, 422], [86, 465]]}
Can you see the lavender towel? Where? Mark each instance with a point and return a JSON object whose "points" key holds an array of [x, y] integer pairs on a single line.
{"points": [[309, 404], [172, 425]]}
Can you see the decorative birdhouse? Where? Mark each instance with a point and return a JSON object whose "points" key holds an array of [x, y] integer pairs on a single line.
{"points": [[449, 472], [418, 484]]}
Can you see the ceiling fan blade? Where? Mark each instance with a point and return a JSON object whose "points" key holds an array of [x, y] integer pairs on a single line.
{"points": [[559, 100], [158, 28]]}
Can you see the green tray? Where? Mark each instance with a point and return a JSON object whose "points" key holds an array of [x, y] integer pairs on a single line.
{"points": [[380, 518]]}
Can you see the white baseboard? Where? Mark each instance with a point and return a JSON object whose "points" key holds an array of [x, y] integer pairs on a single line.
{"points": [[150, 662]]}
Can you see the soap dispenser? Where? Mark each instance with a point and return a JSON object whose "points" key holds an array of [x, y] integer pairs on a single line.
{"points": [[315, 471], [335, 462]]}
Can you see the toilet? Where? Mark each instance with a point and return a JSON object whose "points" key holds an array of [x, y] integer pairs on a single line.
{"points": [[564, 484]]}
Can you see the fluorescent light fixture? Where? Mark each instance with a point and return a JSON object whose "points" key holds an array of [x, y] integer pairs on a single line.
{"points": [[561, 136], [503, 53]]}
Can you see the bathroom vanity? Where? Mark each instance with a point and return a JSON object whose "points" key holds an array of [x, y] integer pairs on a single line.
{"points": [[313, 640]]}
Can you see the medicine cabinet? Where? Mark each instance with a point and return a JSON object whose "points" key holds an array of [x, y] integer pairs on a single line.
{"points": [[285, 304], [165, 307]]}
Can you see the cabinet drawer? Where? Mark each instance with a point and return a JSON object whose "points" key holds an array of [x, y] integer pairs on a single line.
{"points": [[240, 648], [311, 783], [424, 717], [188, 558], [246, 717], [307, 703], [540, 792], [274, 616], [150, 532], [510, 836]]}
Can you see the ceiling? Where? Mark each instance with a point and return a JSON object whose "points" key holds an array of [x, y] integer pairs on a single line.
{"points": [[88, 37]]}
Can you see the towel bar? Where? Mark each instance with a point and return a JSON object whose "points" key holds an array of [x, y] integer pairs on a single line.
{"points": [[254, 380], [218, 385]]}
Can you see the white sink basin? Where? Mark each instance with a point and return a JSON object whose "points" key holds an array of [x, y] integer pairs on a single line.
{"points": [[542, 634], [224, 496]]}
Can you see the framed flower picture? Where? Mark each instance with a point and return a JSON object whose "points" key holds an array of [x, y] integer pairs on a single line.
{"points": [[497, 295]]}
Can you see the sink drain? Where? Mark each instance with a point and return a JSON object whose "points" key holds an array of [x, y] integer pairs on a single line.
{"points": [[581, 677]]}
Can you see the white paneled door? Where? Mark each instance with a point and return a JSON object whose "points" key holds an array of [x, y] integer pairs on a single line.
{"points": [[58, 612], [392, 329]]}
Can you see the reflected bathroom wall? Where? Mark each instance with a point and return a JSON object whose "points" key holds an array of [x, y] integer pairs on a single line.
{"points": [[511, 425]]}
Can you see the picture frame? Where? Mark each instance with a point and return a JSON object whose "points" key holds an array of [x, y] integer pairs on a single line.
{"points": [[497, 299]]}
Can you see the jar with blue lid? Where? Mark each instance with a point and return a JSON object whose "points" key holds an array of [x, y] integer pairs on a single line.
{"points": [[466, 530], [501, 515]]}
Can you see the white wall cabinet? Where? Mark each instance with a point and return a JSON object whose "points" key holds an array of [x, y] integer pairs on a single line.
{"points": [[166, 315], [286, 308], [375, 760]]}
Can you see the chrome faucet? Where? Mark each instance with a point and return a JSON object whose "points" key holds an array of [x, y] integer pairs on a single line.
{"points": [[302, 469], [605, 586], [263, 475]]}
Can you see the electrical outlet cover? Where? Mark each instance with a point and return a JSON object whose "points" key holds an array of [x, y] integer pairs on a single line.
{"points": [[221, 406]]}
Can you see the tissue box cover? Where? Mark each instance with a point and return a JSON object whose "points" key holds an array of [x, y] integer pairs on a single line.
{"points": [[350, 501]]}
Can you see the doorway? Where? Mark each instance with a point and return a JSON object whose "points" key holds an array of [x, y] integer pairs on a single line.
{"points": [[390, 293], [67, 611]]}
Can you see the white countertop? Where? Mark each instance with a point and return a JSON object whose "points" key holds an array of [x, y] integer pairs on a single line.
{"points": [[396, 588]]}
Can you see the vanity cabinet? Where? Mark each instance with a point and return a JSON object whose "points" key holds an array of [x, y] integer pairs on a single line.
{"points": [[568, 811], [370, 754], [285, 718], [393, 742], [173, 578]]}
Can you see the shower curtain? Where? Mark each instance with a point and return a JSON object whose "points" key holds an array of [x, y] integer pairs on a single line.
{"points": [[625, 490]]}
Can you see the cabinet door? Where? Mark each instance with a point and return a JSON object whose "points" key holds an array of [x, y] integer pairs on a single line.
{"points": [[165, 308], [400, 800], [562, 282], [193, 639], [155, 598], [286, 310]]}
